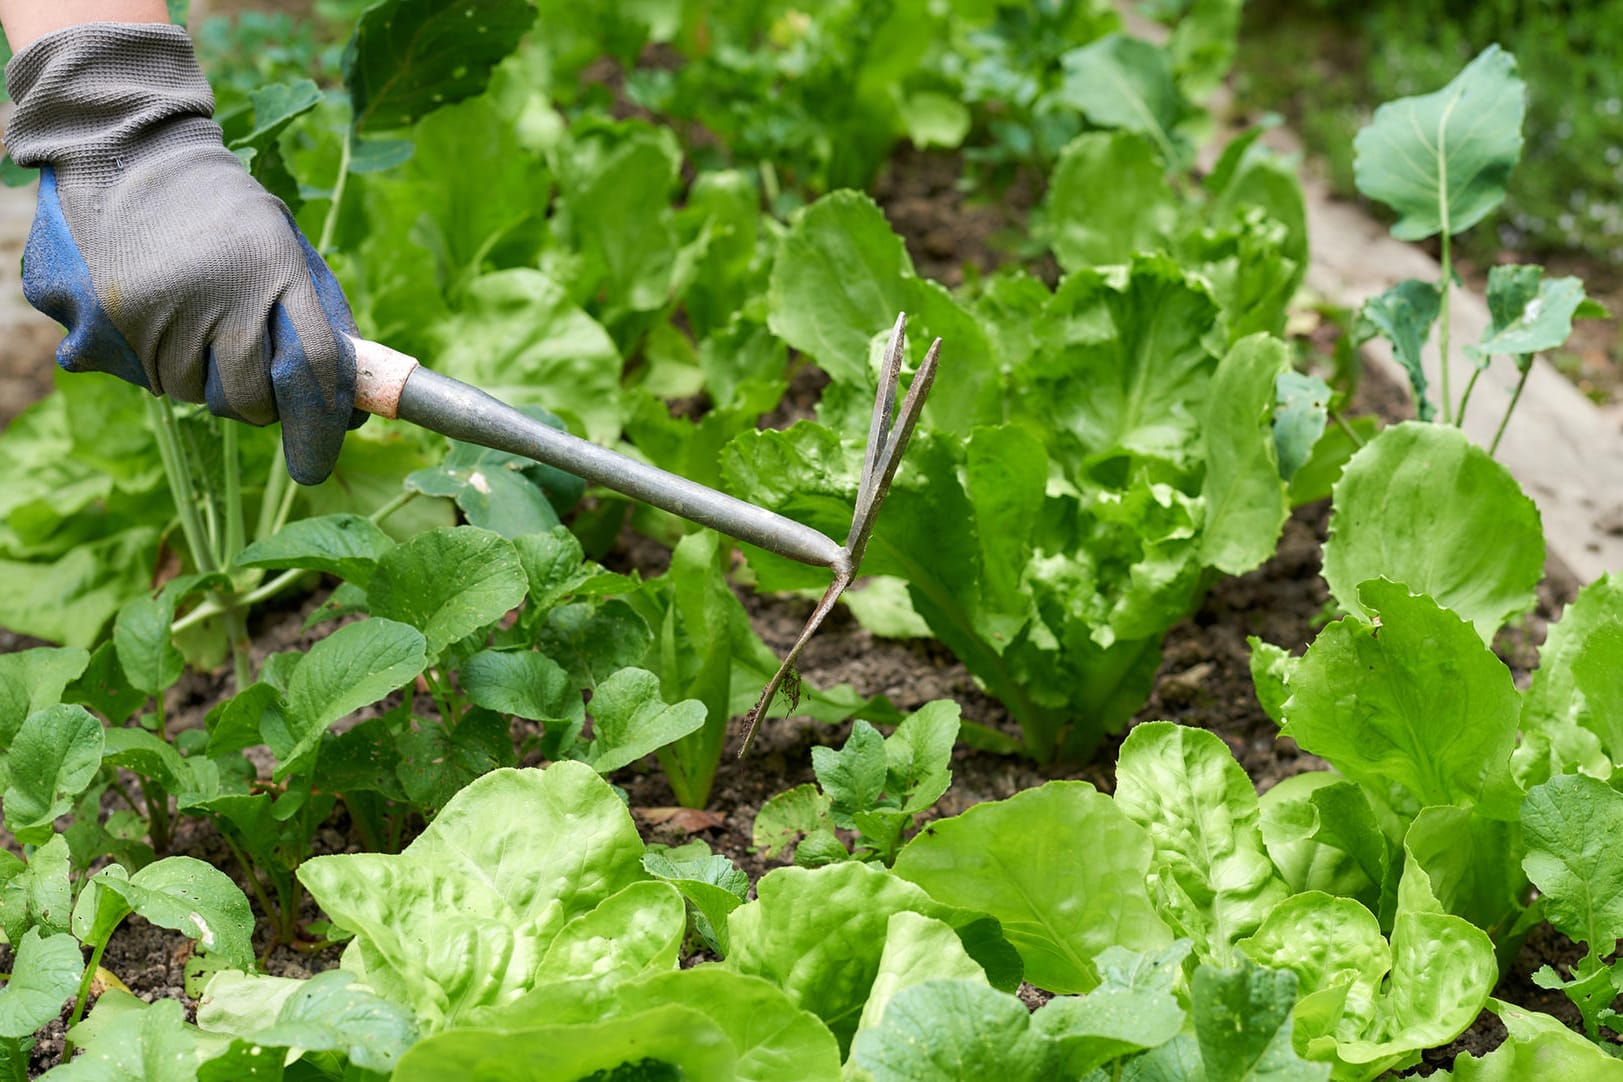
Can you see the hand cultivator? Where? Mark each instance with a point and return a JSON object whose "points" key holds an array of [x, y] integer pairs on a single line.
{"points": [[391, 384]]}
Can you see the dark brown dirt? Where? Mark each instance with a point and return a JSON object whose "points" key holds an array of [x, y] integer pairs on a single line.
{"points": [[954, 234]]}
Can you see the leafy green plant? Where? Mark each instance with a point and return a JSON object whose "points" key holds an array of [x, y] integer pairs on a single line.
{"points": [[873, 786], [48, 917], [1568, 821], [1441, 162], [1437, 755], [1186, 849], [1015, 860], [1536, 1042], [1048, 536]]}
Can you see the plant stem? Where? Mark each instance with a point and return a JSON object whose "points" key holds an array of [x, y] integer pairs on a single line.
{"points": [[181, 483], [1352, 434], [1465, 399], [250, 874], [769, 183], [1514, 398], [231, 487], [330, 226], [236, 614], [285, 509], [213, 607], [392, 506], [205, 497], [236, 632], [442, 698], [1443, 315], [275, 486], [84, 995], [157, 816]]}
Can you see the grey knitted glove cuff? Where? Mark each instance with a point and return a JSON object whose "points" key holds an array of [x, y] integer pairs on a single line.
{"points": [[91, 97]]}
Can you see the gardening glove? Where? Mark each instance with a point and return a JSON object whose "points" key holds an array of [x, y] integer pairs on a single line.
{"points": [[167, 263]]}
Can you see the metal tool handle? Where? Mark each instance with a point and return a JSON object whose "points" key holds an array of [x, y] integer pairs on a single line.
{"points": [[390, 384]]}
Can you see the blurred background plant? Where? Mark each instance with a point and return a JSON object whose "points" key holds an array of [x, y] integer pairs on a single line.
{"points": [[1365, 53]]}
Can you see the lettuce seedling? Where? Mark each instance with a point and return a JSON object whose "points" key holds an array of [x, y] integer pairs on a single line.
{"points": [[873, 786], [546, 870], [1572, 824]]}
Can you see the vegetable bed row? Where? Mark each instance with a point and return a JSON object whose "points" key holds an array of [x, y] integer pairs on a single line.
{"points": [[1101, 449]]}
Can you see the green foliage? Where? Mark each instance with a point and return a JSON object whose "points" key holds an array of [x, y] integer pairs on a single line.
{"points": [[1568, 710], [1368, 1005], [823, 934], [1210, 873], [1435, 161], [1413, 507], [46, 971], [447, 583], [1055, 595], [1243, 489], [1435, 718], [1536, 1042], [1441, 162], [1112, 442], [409, 57], [1529, 312], [348, 546], [1125, 83], [1015, 859], [873, 786], [1405, 314], [1569, 822], [521, 897], [498, 491]]}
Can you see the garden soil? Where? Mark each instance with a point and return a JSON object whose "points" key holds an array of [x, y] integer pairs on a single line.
{"points": [[1204, 679]]}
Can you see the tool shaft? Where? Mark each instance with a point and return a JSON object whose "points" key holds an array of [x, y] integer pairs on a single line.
{"points": [[464, 412]]}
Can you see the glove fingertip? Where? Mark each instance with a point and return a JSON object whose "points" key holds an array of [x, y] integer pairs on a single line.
{"points": [[315, 398], [311, 456]]}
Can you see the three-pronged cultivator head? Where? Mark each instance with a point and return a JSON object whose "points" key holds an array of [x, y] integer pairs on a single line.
{"points": [[888, 436]]}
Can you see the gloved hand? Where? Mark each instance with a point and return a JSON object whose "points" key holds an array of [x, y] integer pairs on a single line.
{"points": [[168, 264]]}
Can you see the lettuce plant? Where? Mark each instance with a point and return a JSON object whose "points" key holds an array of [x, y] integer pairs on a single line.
{"points": [[873, 786], [1184, 849], [1570, 822], [1048, 535]]}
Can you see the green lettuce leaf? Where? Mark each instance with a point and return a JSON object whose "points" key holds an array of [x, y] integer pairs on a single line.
{"points": [[463, 917], [820, 935], [1211, 876], [1015, 859], [1435, 714], [1414, 505]]}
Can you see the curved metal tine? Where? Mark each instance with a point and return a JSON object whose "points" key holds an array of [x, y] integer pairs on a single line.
{"points": [[879, 429], [752, 720], [885, 471]]}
